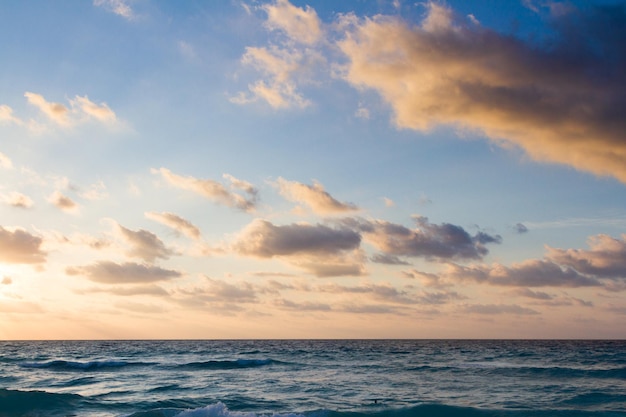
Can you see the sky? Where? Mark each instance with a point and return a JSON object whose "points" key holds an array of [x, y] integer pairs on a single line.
{"points": [[289, 169]]}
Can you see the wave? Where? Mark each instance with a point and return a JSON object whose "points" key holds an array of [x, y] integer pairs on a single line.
{"points": [[516, 370], [63, 365], [229, 364], [15, 402], [430, 410]]}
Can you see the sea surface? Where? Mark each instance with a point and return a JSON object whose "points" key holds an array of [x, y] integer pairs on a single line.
{"points": [[313, 378]]}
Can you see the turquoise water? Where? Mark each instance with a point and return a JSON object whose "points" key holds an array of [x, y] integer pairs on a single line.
{"points": [[313, 378]]}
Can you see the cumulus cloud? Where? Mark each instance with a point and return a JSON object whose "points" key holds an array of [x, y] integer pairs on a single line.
{"points": [[119, 7], [605, 259], [322, 250], [301, 25], [214, 190], [20, 247], [561, 102], [18, 200], [144, 244], [430, 241], [108, 272], [285, 64], [264, 239], [314, 196], [176, 223], [530, 273], [63, 202]]}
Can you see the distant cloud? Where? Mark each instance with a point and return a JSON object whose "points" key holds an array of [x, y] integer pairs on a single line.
{"points": [[319, 249], [427, 240], [5, 162], [388, 202], [81, 109], [301, 306], [383, 258], [18, 200], [107, 272], [215, 191], [520, 228], [63, 202], [6, 280], [20, 247], [175, 222], [314, 196], [606, 258], [144, 244], [119, 7], [496, 309], [129, 291], [562, 104], [530, 273]]}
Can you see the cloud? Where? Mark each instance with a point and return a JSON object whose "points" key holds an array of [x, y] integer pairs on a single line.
{"points": [[605, 259], [383, 258], [175, 222], [301, 306], [319, 249], [265, 240], [63, 202], [130, 291], [81, 109], [107, 272], [285, 64], [215, 191], [6, 115], [301, 25], [520, 228], [18, 200], [313, 196], [427, 240], [56, 112], [20, 247], [5, 162], [218, 291], [561, 101], [6, 281], [530, 273], [119, 7], [278, 89], [496, 309], [144, 244]]}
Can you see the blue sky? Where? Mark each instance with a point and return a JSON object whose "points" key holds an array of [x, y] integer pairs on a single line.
{"points": [[251, 169]]}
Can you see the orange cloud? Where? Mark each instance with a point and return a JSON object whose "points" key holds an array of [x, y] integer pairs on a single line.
{"points": [[564, 104]]}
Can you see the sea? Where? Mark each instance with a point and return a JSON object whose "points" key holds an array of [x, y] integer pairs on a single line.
{"points": [[313, 378]]}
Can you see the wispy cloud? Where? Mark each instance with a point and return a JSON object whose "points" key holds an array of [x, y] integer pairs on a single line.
{"points": [[214, 190], [314, 196], [176, 223], [119, 7], [80, 109], [108, 272]]}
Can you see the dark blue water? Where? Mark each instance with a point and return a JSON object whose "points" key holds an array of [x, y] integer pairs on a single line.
{"points": [[348, 378]]}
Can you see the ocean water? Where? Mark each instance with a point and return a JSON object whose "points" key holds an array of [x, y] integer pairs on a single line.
{"points": [[314, 378]]}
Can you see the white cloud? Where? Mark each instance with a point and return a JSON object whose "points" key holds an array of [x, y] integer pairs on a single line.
{"points": [[301, 25], [119, 7], [19, 200]]}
